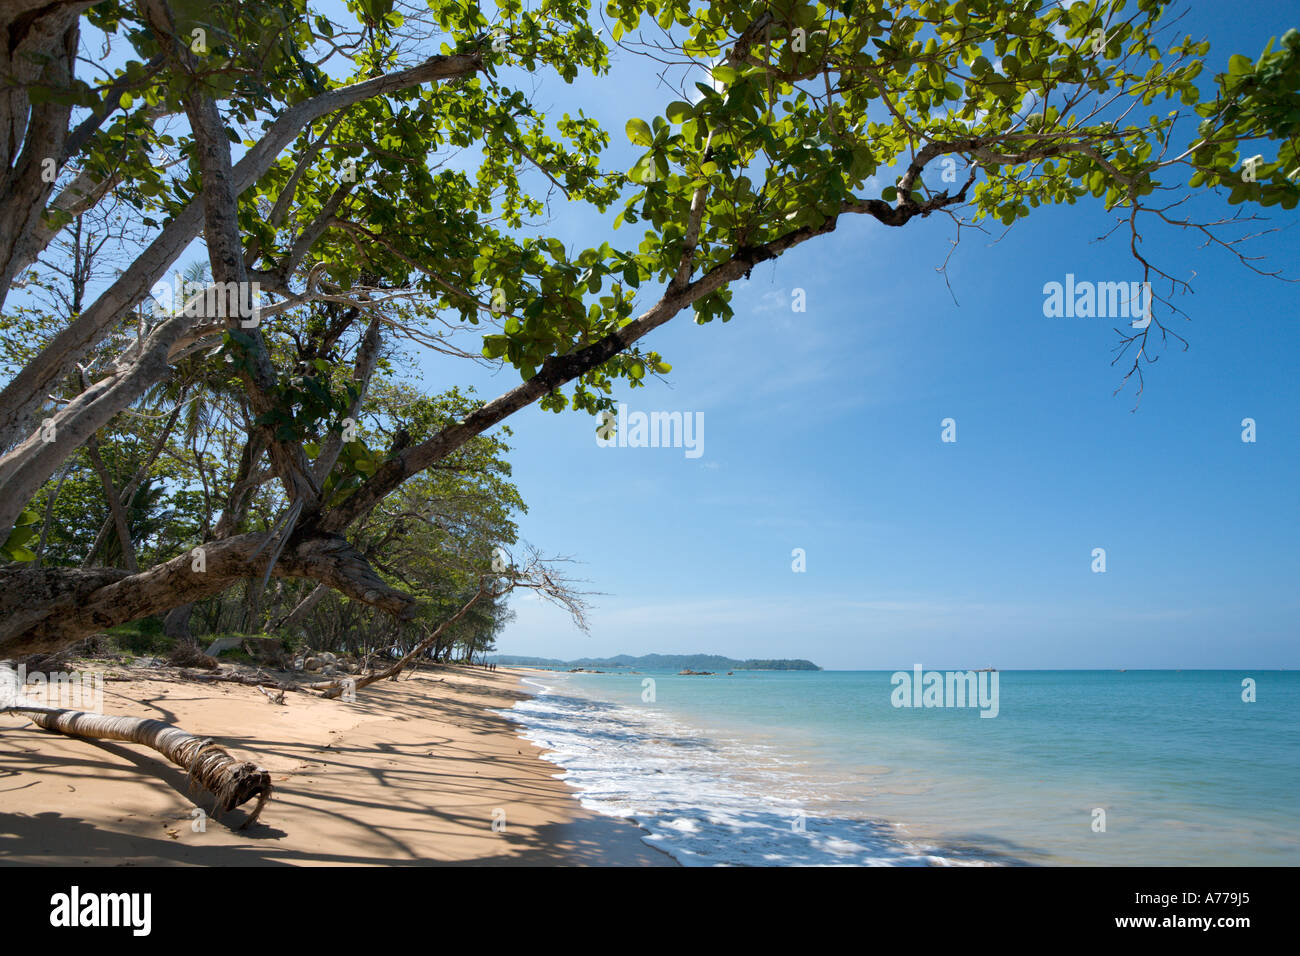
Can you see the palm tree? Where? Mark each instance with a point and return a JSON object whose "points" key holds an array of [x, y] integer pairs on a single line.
{"points": [[234, 782]]}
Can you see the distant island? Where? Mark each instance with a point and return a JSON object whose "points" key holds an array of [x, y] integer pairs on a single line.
{"points": [[660, 662]]}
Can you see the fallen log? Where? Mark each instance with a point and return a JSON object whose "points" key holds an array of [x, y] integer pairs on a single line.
{"points": [[233, 782], [273, 698], [253, 680], [257, 681]]}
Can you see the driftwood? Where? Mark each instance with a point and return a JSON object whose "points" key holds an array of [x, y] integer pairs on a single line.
{"points": [[261, 682], [336, 688], [273, 698], [232, 781], [248, 681]]}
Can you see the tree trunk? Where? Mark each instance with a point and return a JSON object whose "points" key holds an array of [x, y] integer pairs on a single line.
{"points": [[115, 507], [308, 604], [50, 499], [338, 687], [251, 621], [177, 622], [128, 493], [232, 781], [24, 394], [45, 609], [39, 49]]}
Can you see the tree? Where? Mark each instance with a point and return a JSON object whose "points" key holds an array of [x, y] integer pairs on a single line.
{"points": [[433, 537], [259, 79], [977, 110]]}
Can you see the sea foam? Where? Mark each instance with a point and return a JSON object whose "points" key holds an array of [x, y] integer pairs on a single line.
{"points": [[703, 799]]}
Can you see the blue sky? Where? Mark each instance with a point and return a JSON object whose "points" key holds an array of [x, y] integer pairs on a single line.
{"points": [[822, 432]]}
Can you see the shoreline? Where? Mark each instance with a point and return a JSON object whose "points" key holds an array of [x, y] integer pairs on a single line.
{"points": [[415, 772]]}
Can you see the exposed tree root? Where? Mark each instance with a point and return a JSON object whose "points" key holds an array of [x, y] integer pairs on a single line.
{"points": [[233, 782]]}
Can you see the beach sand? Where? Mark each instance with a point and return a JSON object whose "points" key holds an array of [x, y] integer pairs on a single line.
{"points": [[411, 773]]}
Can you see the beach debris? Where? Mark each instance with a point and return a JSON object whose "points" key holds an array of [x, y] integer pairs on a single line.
{"points": [[267, 650], [273, 698], [45, 663], [336, 688], [321, 662], [249, 680], [187, 654], [233, 782]]}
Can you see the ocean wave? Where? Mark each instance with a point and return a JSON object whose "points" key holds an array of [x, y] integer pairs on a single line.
{"points": [[704, 800]]}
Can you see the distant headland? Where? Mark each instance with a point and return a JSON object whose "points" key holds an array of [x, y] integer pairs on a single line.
{"points": [[659, 662]]}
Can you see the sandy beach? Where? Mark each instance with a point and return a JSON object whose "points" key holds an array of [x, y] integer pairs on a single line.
{"points": [[414, 772]]}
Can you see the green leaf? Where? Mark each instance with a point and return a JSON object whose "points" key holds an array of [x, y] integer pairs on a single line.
{"points": [[679, 112], [638, 131], [1239, 65], [724, 74], [20, 536]]}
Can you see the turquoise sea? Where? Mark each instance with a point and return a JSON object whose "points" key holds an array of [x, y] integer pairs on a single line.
{"points": [[821, 768]]}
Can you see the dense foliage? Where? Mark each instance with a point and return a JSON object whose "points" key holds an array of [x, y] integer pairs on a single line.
{"points": [[383, 178]]}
